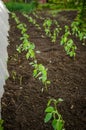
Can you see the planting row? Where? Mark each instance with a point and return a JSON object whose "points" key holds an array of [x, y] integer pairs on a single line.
{"points": [[66, 39], [39, 72]]}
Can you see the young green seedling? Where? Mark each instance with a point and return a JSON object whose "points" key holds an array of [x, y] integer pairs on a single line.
{"points": [[55, 34], [35, 15], [47, 24], [31, 20], [53, 114], [40, 72], [15, 17], [68, 43], [77, 32], [56, 31], [30, 52], [22, 27]]}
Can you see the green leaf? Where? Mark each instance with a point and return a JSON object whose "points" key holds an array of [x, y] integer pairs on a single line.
{"points": [[19, 48], [32, 54], [57, 124], [27, 55], [54, 124], [35, 73], [72, 54], [49, 109], [47, 117], [44, 78], [65, 39], [49, 102]]}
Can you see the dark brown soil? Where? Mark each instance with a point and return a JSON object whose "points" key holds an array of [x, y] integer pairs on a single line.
{"points": [[23, 103]]}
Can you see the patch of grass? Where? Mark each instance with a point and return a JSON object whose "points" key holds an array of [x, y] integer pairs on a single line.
{"points": [[22, 7], [60, 5], [50, 6]]}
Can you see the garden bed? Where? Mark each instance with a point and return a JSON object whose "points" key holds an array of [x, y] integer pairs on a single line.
{"points": [[24, 102]]}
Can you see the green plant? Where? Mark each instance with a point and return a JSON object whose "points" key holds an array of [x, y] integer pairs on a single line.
{"points": [[37, 15], [27, 46], [1, 124], [55, 34], [31, 20], [24, 45], [31, 53], [15, 17], [53, 114], [47, 24], [68, 43], [22, 27], [77, 32], [40, 72]]}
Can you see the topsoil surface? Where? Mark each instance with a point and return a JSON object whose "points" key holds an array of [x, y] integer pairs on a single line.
{"points": [[23, 102]]}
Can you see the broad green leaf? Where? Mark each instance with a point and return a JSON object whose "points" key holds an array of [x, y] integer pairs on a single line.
{"points": [[72, 54], [41, 67], [32, 54], [49, 109], [44, 78], [59, 124], [54, 124], [47, 117], [65, 39], [32, 46]]}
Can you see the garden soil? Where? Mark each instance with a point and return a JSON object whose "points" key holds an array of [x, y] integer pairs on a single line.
{"points": [[24, 100]]}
